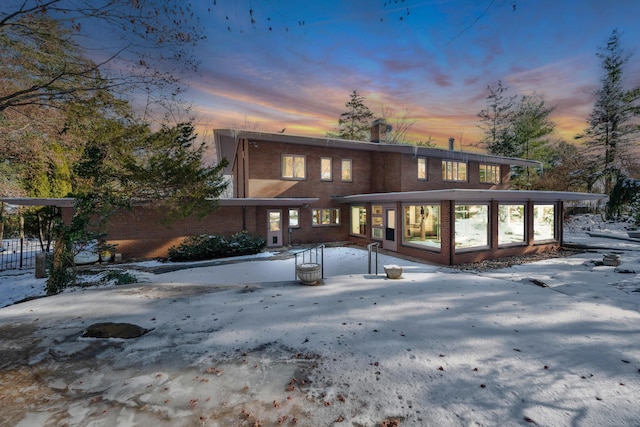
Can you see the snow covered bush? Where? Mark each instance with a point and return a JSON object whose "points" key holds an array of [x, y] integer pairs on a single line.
{"points": [[204, 246], [625, 198]]}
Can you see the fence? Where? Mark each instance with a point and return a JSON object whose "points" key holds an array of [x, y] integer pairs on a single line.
{"points": [[18, 254]]}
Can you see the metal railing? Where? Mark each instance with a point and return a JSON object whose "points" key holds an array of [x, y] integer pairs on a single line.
{"points": [[311, 255], [18, 254], [369, 248]]}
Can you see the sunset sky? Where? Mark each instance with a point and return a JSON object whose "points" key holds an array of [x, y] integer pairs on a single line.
{"points": [[297, 64]]}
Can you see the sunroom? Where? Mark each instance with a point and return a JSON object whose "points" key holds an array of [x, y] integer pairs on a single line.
{"points": [[458, 226]]}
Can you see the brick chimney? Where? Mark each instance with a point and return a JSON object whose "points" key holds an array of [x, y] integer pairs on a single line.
{"points": [[452, 142], [379, 130]]}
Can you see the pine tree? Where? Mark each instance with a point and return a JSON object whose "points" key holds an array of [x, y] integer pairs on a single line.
{"points": [[495, 121], [611, 128], [354, 124]]}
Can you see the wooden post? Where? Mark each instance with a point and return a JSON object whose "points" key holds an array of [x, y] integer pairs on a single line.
{"points": [[41, 265]]}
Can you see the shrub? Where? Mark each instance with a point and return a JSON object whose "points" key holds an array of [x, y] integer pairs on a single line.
{"points": [[196, 248], [120, 277]]}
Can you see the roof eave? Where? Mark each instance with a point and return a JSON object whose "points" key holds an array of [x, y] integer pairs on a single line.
{"points": [[371, 146], [469, 195]]}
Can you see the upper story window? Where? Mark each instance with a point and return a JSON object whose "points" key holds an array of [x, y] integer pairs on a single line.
{"points": [[454, 171], [325, 169], [422, 168], [489, 173], [347, 165], [293, 167]]}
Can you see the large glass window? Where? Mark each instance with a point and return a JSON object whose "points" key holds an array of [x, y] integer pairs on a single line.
{"points": [[422, 225], [511, 224], [330, 216], [293, 167], [422, 168], [358, 220], [489, 174], [325, 169], [347, 164], [454, 171], [472, 226], [294, 218], [544, 221]]}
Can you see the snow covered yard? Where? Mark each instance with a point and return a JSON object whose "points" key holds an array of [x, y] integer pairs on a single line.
{"points": [[243, 344]]}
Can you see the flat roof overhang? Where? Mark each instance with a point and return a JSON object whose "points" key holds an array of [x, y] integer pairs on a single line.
{"points": [[63, 202], [273, 201], [70, 201], [469, 195]]}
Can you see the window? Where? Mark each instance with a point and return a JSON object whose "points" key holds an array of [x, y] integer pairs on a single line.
{"points": [[325, 169], [346, 170], [294, 218], [325, 216], [472, 226], [293, 167], [358, 220], [544, 222], [275, 223], [422, 168], [376, 222], [454, 171], [511, 224], [490, 174], [422, 225]]}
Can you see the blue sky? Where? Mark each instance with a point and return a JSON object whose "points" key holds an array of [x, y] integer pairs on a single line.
{"points": [[296, 65]]}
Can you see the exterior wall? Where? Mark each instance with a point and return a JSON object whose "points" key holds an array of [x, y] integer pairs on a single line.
{"points": [[258, 172], [265, 172], [389, 169], [66, 214], [144, 233], [308, 234], [401, 174]]}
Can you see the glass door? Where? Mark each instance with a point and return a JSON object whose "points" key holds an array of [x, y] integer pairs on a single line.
{"points": [[389, 242], [274, 231]]}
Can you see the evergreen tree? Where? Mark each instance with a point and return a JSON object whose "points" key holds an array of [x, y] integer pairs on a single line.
{"points": [[355, 123], [612, 129], [496, 119], [529, 127]]}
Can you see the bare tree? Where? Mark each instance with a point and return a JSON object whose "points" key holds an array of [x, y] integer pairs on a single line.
{"points": [[400, 124], [47, 56]]}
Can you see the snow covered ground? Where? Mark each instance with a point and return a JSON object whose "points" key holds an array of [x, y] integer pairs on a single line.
{"points": [[243, 344]]}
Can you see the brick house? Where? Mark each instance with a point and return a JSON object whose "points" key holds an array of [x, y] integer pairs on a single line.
{"points": [[444, 206]]}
